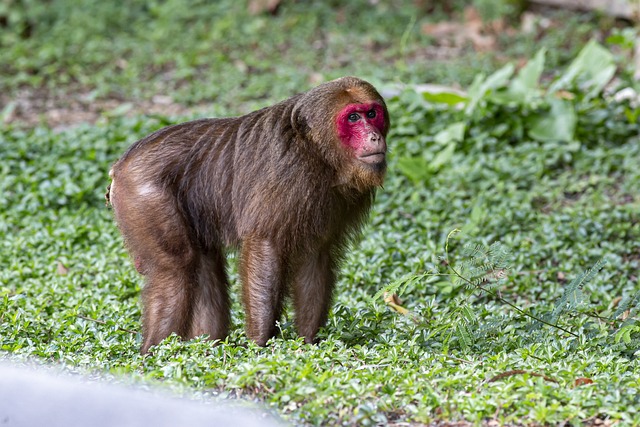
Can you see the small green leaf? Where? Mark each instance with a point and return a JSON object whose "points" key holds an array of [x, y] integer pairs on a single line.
{"points": [[624, 334], [632, 115], [452, 133], [443, 157], [622, 40]]}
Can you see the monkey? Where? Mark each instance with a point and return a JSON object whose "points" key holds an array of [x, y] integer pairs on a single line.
{"points": [[288, 187]]}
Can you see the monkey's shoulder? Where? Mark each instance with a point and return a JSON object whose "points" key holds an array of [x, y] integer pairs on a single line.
{"points": [[174, 139]]}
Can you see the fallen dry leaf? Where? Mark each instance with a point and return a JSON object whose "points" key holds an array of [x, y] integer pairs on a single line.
{"points": [[257, 7], [61, 269], [563, 94], [519, 372], [393, 301], [582, 381]]}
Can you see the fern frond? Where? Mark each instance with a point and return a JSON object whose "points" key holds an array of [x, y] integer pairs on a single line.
{"points": [[477, 281], [469, 316], [499, 255], [491, 327], [482, 267], [462, 331], [573, 296], [628, 302], [394, 286], [471, 250], [492, 285]]}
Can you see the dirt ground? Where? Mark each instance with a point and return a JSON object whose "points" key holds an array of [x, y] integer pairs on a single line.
{"points": [[30, 107]]}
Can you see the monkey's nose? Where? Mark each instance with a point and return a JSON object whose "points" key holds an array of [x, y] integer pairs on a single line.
{"points": [[377, 142], [374, 137]]}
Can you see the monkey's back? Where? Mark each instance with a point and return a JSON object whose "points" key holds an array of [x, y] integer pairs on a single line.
{"points": [[191, 163], [233, 177]]}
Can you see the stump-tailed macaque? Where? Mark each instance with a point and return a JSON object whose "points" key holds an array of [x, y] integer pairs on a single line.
{"points": [[288, 186]]}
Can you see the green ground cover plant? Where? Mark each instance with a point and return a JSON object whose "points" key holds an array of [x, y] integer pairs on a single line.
{"points": [[508, 226]]}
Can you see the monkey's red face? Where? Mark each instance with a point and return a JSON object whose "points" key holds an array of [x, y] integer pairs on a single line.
{"points": [[361, 128]]}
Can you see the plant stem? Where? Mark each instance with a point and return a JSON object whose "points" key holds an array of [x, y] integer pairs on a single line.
{"points": [[510, 304]]}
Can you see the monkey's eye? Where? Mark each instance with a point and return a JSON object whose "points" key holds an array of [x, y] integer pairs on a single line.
{"points": [[353, 117], [371, 114]]}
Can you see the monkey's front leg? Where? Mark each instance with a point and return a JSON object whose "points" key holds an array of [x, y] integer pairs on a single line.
{"points": [[262, 271], [312, 289]]}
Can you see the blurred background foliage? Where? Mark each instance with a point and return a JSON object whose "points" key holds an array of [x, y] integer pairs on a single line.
{"points": [[240, 55]]}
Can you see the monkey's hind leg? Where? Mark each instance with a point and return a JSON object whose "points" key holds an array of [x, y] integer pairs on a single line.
{"points": [[190, 300], [167, 300], [171, 264], [211, 298], [161, 246]]}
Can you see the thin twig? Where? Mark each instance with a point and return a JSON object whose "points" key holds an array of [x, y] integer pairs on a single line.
{"points": [[604, 319]]}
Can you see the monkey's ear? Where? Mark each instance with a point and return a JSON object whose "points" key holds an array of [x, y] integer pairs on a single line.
{"points": [[299, 122]]}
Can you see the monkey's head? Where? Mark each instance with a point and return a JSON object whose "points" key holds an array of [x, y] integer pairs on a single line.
{"points": [[348, 121]]}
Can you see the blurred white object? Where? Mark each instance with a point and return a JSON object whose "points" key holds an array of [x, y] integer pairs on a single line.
{"points": [[34, 397]]}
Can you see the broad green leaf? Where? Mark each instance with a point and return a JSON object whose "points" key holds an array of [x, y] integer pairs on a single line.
{"points": [[558, 124], [448, 98], [499, 78], [475, 217], [477, 213], [481, 86], [598, 81], [594, 65], [415, 168], [632, 115], [525, 85]]}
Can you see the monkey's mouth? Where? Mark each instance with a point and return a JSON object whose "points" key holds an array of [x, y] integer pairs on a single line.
{"points": [[373, 158]]}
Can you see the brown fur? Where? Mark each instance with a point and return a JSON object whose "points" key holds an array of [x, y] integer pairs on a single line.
{"points": [[276, 183]]}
